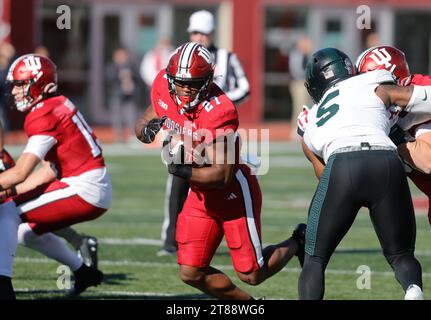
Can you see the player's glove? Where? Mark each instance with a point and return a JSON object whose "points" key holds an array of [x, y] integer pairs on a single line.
{"points": [[180, 170], [7, 193], [149, 132], [173, 157], [397, 135], [6, 160], [302, 120]]}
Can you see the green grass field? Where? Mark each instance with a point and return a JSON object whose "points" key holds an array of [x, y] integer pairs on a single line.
{"points": [[129, 236]]}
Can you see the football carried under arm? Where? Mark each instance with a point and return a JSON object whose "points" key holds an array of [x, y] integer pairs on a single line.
{"points": [[215, 173], [147, 126]]}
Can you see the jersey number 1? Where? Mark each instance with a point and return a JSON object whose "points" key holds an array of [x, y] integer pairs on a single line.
{"points": [[86, 132], [326, 113]]}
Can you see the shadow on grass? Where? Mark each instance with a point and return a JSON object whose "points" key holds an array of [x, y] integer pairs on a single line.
{"points": [[112, 295], [117, 278]]}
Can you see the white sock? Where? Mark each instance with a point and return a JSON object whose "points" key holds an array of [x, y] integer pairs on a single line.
{"points": [[49, 245], [413, 292], [9, 222]]}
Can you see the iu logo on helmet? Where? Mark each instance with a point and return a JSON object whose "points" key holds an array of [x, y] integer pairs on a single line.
{"points": [[382, 57], [33, 64]]}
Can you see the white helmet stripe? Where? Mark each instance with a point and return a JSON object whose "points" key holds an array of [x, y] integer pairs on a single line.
{"points": [[186, 56]]}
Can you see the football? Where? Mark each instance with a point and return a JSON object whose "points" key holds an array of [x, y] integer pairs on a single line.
{"points": [[180, 149]]}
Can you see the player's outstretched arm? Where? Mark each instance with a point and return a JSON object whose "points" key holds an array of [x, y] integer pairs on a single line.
{"points": [[43, 175], [148, 125], [415, 99], [17, 174]]}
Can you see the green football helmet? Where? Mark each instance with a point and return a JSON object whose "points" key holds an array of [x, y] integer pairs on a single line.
{"points": [[326, 68]]}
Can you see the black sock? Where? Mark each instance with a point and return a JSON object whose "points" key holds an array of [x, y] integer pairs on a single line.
{"points": [[6, 289]]}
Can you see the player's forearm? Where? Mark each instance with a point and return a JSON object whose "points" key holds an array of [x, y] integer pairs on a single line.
{"points": [[143, 121], [42, 176], [417, 153], [11, 178], [140, 124], [17, 174], [315, 161], [213, 177]]}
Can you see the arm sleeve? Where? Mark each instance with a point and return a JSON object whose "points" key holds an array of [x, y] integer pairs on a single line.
{"points": [[155, 96], [242, 87], [39, 145], [420, 101]]}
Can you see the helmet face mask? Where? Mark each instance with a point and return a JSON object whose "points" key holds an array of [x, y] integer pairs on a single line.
{"points": [[326, 68], [190, 73], [31, 78], [20, 90], [385, 58]]}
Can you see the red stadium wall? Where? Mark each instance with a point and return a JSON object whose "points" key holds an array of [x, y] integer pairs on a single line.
{"points": [[22, 17], [247, 44]]}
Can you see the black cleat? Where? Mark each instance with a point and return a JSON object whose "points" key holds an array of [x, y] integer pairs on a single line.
{"points": [[85, 277], [299, 235], [88, 251]]}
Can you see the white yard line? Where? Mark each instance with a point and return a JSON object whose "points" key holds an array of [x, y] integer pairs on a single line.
{"points": [[158, 242], [140, 264]]}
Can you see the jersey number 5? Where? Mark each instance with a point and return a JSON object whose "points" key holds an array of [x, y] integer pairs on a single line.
{"points": [[326, 113]]}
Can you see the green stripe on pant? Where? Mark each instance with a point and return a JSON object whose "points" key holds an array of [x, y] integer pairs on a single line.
{"points": [[316, 207]]}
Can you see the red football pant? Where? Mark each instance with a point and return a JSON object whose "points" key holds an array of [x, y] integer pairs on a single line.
{"points": [[199, 232], [54, 206], [423, 182]]}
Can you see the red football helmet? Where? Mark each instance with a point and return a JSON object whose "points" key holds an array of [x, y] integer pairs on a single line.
{"points": [[190, 65], [385, 57], [36, 76]]}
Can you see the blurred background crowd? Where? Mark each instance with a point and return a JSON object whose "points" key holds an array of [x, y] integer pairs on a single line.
{"points": [[113, 49]]}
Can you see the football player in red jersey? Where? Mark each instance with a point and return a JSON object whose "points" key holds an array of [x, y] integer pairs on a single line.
{"points": [[224, 198], [86, 246], [71, 186], [415, 151]]}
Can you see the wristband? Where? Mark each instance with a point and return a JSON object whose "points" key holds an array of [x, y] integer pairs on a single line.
{"points": [[11, 192]]}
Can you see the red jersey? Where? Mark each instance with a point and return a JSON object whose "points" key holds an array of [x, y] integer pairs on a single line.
{"points": [[215, 115], [420, 179], [76, 150]]}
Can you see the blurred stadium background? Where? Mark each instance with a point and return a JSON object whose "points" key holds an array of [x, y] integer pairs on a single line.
{"points": [[264, 34]]}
